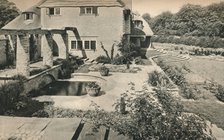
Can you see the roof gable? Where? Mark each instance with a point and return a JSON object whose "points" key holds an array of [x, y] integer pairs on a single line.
{"points": [[79, 3], [20, 23]]}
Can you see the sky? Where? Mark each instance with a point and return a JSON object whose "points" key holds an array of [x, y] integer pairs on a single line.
{"points": [[153, 7]]}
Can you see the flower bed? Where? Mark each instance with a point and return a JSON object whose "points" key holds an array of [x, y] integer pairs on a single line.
{"points": [[115, 68]]}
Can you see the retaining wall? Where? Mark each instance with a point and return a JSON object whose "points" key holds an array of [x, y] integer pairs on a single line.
{"points": [[42, 79]]}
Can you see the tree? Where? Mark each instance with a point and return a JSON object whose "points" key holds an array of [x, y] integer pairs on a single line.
{"points": [[146, 17], [218, 9], [8, 12], [161, 22]]}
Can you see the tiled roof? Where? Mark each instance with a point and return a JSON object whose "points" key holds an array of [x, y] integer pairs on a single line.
{"points": [[20, 24], [146, 28], [33, 10], [137, 31], [78, 3]]}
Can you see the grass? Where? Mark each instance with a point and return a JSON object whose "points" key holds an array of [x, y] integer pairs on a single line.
{"points": [[209, 109], [211, 69], [198, 70]]}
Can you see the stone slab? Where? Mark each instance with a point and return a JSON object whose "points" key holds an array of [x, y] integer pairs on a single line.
{"points": [[61, 129]]}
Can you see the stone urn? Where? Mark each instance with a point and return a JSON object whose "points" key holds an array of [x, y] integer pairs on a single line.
{"points": [[93, 89], [104, 71]]}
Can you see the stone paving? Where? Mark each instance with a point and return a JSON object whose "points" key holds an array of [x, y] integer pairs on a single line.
{"points": [[113, 85], [20, 128]]}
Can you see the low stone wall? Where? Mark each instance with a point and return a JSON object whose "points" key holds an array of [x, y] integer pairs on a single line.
{"points": [[42, 79]]}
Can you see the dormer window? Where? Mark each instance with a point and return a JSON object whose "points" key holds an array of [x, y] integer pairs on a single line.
{"points": [[138, 24], [53, 11], [28, 16], [88, 11]]}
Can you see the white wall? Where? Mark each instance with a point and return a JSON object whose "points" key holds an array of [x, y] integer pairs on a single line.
{"points": [[107, 26]]}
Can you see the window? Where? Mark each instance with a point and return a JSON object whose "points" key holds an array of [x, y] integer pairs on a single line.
{"points": [[93, 45], [28, 16], [73, 45], [79, 45], [53, 11], [138, 24], [88, 11], [83, 44], [87, 45]]}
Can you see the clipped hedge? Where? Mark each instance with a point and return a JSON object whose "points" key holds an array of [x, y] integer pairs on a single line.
{"points": [[204, 41]]}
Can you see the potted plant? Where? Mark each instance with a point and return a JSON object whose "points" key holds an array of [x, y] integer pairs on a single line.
{"points": [[104, 71], [93, 89]]}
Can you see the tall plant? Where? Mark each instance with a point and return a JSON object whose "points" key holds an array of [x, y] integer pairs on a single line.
{"points": [[150, 116], [111, 56], [128, 50]]}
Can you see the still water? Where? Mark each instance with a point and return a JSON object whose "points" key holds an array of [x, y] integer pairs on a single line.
{"points": [[65, 88]]}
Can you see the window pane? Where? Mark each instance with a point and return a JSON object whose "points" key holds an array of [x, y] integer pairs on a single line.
{"points": [[95, 10], [82, 10], [31, 15], [73, 45], [93, 45], [28, 16], [87, 45], [88, 10], [51, 11], [57, 11], [79, 45]]}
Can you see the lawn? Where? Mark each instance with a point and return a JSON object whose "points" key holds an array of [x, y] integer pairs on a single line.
{"points": [[202, 68], [209, 68], [209, 109]]}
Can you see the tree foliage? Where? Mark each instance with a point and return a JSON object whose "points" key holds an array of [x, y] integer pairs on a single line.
{"points": [[193, 20], [8, 12], [146, 17]]}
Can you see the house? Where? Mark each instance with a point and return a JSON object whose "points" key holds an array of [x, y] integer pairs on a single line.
{"points": [[56, 28]]}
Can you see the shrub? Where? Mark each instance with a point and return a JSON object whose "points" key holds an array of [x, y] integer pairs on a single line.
{"points": [[26, 107], [158, 79], [58, 61], [204, 41], [147, 119], [174, 73], [220, 93], [9, 93], [119, 60], [104, 71], [190, 92], [103, 59], [139, 61], [92, 85], [2, 66], [66, 69]]}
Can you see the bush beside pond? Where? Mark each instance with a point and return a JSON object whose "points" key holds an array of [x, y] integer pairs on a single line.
{"points": [[10, 92]]}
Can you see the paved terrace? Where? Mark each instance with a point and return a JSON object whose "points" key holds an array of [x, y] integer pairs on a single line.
{"points": [[68, 128], [19, 128], [113, 85]]}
